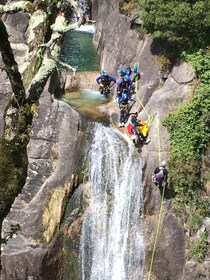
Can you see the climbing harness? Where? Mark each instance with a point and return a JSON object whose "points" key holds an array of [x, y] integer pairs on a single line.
{"points": [[161, 203]]}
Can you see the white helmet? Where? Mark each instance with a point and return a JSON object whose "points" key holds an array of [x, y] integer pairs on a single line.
{"points": [[163, 163]]}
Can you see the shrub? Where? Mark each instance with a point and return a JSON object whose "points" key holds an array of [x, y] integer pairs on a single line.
{"points": [[200, 248], [185, 23]]}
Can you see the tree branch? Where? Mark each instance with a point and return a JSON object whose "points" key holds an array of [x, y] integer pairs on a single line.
{"points": [[14, 7], [11, 66], [51, 53]]}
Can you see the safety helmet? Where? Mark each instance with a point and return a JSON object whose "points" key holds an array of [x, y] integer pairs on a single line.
{"points": [[126, 77], [163, 163], [135, 68], [120, 71], [124, 95], [103, 72]]}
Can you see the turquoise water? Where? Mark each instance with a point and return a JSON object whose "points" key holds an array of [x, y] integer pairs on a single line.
{"points": [[86, 102], [78, 51]]}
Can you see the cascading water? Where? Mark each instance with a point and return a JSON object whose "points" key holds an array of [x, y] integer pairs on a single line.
{"points": [[111, 245]]}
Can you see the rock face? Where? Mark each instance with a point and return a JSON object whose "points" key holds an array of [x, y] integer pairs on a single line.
{"points": [[53, 152], [120, 46], [55, 147]]}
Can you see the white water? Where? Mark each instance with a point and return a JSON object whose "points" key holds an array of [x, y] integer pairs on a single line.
{"points": [[90, 28], [111, 246]]}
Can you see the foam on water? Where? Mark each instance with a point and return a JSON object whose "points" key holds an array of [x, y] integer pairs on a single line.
{"points": [[90, 28]]}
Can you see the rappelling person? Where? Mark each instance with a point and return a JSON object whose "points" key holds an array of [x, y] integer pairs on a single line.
{"points": [[133, 123], [144, 131], [125, 104], [160, 175], [104, 82], [138, 129]]}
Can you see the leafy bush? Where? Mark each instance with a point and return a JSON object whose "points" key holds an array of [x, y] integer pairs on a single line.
{"points": [[194, 221], [200, 248], [128, 6], [186, 23], [189, 129]]}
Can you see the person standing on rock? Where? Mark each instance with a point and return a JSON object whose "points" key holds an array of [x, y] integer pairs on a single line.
{"points": [[124, 84], [104, 81], [160, 175]]}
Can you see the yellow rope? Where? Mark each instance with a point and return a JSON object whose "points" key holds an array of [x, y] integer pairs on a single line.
{"points": [[161, 206], [136, 85], [157, 233], [142, 105]]}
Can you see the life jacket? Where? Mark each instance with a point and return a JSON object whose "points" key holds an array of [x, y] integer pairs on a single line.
{"points": [[143, 129]]}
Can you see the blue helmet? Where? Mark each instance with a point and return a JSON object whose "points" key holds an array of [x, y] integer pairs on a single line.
{"points": [[135, 68], [124, 95], [126, 77], [120, 71], [103, 72]]}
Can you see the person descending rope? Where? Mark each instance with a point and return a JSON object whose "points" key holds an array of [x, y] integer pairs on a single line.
{"points": [[104, 82], [160, 175], [144, 131], [125, 104], [138, 129], [133, 123]]}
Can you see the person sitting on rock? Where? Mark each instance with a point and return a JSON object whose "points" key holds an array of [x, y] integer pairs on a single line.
{"points": [[105, 80]]}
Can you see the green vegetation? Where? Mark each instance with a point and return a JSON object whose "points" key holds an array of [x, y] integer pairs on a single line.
{"points": [[189, 128], [128, 6], [8, 235], [185, 27], [200, 248], [183, 23], [13, 159]]}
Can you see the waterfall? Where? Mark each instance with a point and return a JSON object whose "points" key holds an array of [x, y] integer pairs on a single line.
{"points": [[111, 245]]}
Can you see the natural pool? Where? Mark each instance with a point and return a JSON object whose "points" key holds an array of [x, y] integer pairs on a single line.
{"points": [[78, 51], [86, 102]]}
